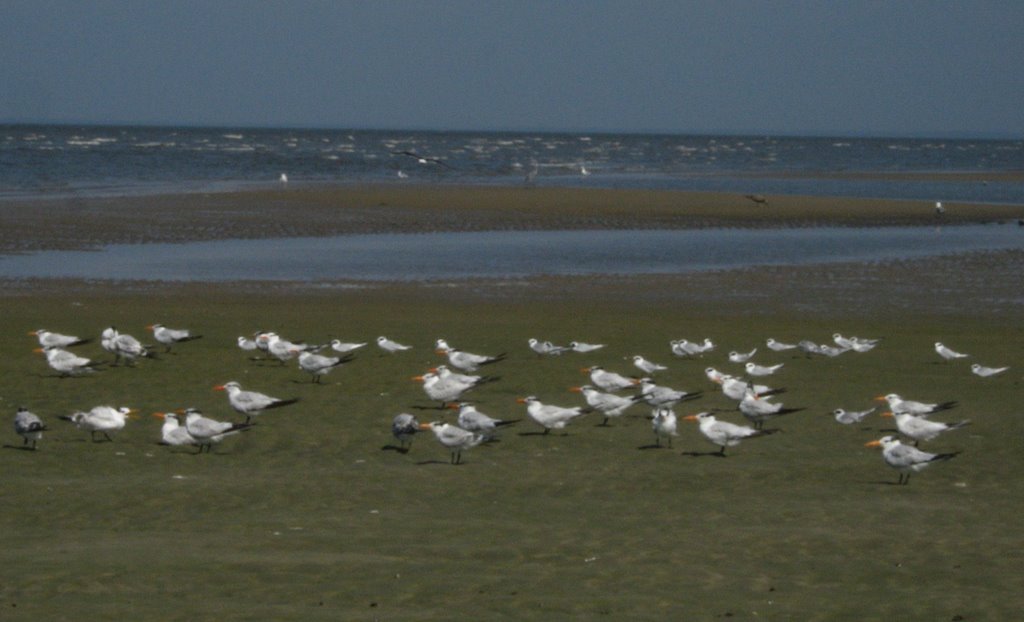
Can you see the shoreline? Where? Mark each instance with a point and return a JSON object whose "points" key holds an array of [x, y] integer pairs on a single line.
{"points": [[84, 223]]}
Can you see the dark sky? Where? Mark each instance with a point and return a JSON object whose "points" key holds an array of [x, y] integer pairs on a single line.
{"points": [[932, 68]]}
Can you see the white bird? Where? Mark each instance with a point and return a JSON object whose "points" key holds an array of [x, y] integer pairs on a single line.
{"points": [[391, 346], [442, 385], [103, 419], [648, 367], [759, 409], [473, 420], [123, 346], [740, 357], [344, 348], [899, 405], [67, 363], [920, 429], [664, 424], [28, 426], [608, 380], [904, 458], [251, 403], [609, 404], [318, 365], [172, 432], [282, 349], [683, 348], [735, 388], [454, 438], [849, 417], [404, 427], [985, 372], [249, 345], [723, 433], [49, 339], [206, 432], [714, 375], [854, 343], [948, 353], [761, 370], [779, 346], [466, 361], [808, 347], [583, 347], [546, 348], [832, 351], [170, 336], [660, 396], [939, 209], [550, 416], [283, 179]]}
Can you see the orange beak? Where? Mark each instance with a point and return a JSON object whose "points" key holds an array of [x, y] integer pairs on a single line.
{"points": [[219, 387], [418, 378], [576, 389], [424, 426], [880, 398], [888, 413], [873, 444], [690, 417], [158, 415], [520, 400]]}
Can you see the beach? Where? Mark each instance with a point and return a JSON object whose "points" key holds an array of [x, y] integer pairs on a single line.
{"points": [[314, 514]]}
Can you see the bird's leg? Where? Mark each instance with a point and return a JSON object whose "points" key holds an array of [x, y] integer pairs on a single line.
{"points": [[721, 452], [546, 430], [107, 436], [605, 422], [670, 442]]}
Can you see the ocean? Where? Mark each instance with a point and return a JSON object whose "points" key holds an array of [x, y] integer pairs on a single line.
{"points": [[82, 161]]}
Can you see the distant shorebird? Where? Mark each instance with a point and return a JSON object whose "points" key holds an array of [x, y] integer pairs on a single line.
{"points": [[760, 199], [283, 178], [939, 210], [423, 159]]}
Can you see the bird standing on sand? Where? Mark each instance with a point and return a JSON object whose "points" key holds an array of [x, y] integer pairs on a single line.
{"points": [[103, 419], [453, 437], [665, 424], [723, 433], [550, 416]]}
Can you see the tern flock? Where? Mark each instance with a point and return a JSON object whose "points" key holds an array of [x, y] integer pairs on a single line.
{"points": [[610, 394]]}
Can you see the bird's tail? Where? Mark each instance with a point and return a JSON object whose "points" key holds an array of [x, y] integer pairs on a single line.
{"points": [[281, 403], [959, 424], [940, 457], [946, 405], [504, 422]]}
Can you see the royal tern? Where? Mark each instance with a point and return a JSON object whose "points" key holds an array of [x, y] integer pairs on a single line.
{"points": [[849, 417], [663, 422], [466, 361], [404, 427], [608, 404], [473, 420], [49, 339], [172, 432], [758, 409], [550, 416], [683, 348], [546, 348], [582, 347], [761, 370], [390, 346], [345, 347], [920, 429], [249, 345], [985, 372], [714, 375], [608, 380], [854, 343], [282, 349], [648, 367], [808, 347], [171, 336], [442, 385], [103, 419], [904, 458], [948, 353], [206, 432], [318, 365], [741, 357], [939, 209], [251, 403], [832, 351], [662, 397], [66, 363], [453, 437], [899, 405], [735, 388], [28, 426], [778, 346], [123, 346], [723, 433]]}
